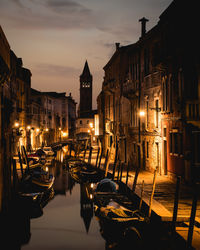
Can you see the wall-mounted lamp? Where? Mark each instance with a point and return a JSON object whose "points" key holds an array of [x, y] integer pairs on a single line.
{"points": [[142, 113]]}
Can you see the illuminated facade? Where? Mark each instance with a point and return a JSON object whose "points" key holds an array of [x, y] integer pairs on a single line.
{"points": [[150, 96], [53, 117]]}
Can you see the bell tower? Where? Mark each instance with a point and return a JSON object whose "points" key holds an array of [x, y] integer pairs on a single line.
{"points": [[85, 105]]}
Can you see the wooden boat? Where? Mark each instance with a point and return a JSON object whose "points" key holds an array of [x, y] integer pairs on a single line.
{"points": [[36, 179], [85, 173], [118, 218]]}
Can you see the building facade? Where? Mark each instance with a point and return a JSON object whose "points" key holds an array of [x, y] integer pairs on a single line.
{"points": [[150, 96]]}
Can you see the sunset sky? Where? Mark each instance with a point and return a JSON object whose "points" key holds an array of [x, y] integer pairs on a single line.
{"points": [[55, 37]]}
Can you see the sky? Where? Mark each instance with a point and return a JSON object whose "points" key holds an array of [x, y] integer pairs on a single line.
{"points": [[54, 38]]}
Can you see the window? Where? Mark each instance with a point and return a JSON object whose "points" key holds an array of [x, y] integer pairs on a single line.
{"points": [[176, 143], [147, 149], [165, 94], [171, 94], [87, 121], [165, 132], [147, 112], [157, 110], [80, 121]]}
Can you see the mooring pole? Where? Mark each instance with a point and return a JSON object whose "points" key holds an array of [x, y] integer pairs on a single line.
{"points": [[153, 190], [121, 171], [136, 177], [97, 157], [106, 159], [90, 155], [21, 165], [101, 154], [175, 211], [128, 168], [26, 158], [141, 196], [115, 161], [192, 216], [119, 167]]}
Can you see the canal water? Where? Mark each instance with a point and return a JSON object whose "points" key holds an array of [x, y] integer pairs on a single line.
{"points": [[66, 221]]}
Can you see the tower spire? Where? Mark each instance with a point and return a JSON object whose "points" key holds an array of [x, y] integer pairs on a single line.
{"points": [[86, 70]]}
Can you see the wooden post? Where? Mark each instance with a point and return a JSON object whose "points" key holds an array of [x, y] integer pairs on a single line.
{"points": [[176, 198], [153, 190], [135, 178], [97, 157], [115, 161], [21, 166], [192, 217], [106, 159], [26, 158], [85, 149], [141, 197], [90, 155], [128, 167], [107, 164], [101, 154], [119, 167], [121, 172]]}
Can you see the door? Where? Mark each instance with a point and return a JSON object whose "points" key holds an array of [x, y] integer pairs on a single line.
{"points": [[165, 158]]}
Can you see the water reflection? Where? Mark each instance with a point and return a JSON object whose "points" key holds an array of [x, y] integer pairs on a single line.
{"points": [[63, 220], [86, 205]]}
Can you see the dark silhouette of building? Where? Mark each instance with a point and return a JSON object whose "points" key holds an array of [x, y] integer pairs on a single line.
{"points": [[85, 122], [85, 107]]}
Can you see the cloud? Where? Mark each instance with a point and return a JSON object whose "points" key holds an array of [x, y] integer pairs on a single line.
{"points": [[55, 70], [48, 14], [67, 6]]}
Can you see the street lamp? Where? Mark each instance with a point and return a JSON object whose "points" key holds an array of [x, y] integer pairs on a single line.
{"points": [[16, 124]]}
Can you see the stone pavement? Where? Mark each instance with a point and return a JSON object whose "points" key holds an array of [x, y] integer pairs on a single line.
{"points": [[163, 200]]}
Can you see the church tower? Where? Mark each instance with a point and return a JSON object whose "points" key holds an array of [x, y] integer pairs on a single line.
{"points": [[85, 106]]}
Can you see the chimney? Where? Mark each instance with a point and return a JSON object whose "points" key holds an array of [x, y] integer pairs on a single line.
{"points": [[117, 45], [143, 28]]}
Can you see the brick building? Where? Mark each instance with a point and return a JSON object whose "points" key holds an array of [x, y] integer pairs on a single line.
{"points": [[157, 77]]}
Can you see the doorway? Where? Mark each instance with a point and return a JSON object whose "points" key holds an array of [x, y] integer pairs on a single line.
{"points": [[165, 158]]}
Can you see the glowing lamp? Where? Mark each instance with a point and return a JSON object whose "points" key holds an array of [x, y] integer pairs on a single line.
{"points": [[142, 113], [16, 124]]}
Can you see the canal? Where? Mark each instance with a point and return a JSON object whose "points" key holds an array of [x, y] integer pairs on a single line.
{"points": [[67, 221]]}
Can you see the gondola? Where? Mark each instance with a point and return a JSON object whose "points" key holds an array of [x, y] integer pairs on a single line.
{"points": [[117, 214], [84, 172], [36, 179]]}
